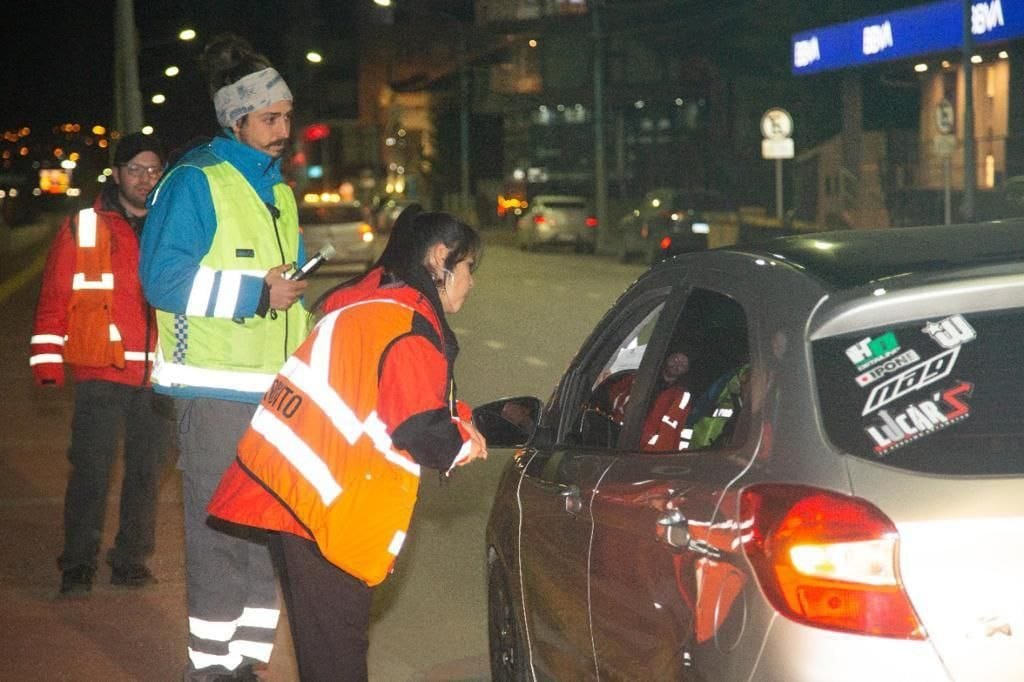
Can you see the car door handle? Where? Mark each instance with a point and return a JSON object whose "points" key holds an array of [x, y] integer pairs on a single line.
{"points": [[673, 517], [677, 534]]}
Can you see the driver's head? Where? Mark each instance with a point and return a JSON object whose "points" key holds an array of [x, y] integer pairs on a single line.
{"points": [[676, 365]]}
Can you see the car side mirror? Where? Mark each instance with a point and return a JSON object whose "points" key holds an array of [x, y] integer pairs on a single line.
{"points": [[509, 422]]}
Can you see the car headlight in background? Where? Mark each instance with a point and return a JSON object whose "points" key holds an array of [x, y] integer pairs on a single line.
{"points": [[700, 228], [365, 232]]}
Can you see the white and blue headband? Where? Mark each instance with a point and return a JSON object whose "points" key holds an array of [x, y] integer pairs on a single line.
{"points": [[256, 91]]}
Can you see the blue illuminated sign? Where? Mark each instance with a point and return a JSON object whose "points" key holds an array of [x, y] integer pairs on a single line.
{"points": [[926, 29]]}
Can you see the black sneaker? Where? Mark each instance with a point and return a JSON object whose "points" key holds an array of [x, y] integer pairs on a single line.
{"points": [[131, 575], [77, 580]]}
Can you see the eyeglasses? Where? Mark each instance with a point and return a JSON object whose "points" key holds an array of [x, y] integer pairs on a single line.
{"points": [[137, 170]]}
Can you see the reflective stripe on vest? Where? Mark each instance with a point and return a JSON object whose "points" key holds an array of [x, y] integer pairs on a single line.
{"points": [[79, 282], [176, 374]]}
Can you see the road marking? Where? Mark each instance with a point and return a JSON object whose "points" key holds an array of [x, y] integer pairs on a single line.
{"points": [[535, 361], [494, 345], [20, 279]]}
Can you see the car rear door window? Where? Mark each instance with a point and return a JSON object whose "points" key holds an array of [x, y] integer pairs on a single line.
{"points": [[938, 395], [700, 388]]}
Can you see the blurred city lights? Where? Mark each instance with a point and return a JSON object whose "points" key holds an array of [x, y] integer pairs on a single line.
{"points": [[187, 34], [158, 98], [172, 71], [314, 57]]}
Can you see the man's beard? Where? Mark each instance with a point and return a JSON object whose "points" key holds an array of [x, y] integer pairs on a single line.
{"points": [[132, 201]]}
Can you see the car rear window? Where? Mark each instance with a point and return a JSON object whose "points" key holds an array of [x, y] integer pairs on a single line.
{"points": [[321, 215], [937, 395]]}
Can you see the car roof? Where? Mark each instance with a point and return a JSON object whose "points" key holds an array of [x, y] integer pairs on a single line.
{"points": [[851, 258]]}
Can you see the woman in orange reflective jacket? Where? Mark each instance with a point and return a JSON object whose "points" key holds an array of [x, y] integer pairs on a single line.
{"points": [[332, 457]]}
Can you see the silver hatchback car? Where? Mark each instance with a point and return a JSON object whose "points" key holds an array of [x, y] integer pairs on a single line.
{"points": [[797, 462], [557, 219], [343, 225]]}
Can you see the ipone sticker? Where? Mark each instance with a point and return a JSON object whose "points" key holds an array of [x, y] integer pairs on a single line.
{"points": [[892, 430], [887, 367]]}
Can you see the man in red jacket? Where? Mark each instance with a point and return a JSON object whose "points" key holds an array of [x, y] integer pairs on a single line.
{"points": [[92, 316]]}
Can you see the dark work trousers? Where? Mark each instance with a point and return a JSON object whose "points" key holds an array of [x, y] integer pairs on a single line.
{"points": [[232, 590], [328, 611], [102, 410]]}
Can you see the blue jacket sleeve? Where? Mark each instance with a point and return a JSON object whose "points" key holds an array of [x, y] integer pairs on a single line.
{"points": [[178, 233]]}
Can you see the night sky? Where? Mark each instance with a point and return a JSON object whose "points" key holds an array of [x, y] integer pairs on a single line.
{"points": [[58, 55]]}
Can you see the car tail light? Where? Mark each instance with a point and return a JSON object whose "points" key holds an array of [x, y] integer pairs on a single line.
{"points": [[665, 243], [591, 221], [539, 219], [365, 232], [827, 560]]}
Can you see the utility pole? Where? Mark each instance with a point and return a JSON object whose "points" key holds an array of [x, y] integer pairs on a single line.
{"points": [[600, 168], [127, 95], [465, 200], [970, 163]]}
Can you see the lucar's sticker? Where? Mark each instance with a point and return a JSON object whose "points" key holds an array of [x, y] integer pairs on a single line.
{"points": [[870, 351], [951, 331], [920, 418], [887, 367], [912, 379]]}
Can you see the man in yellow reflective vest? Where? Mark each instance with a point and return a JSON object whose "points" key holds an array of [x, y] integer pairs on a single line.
{"points": [[221, 235]]}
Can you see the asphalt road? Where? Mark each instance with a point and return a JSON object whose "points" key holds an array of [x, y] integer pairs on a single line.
{"points": [[525, 318]]}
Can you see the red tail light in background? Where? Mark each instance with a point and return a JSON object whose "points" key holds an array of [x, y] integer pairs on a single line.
{"points": [[539, 219], [665, 243], [827, 560], [591, 221]]}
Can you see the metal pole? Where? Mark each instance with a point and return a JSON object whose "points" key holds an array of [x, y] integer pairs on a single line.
{"points": [[778, 190], [600, 170], [127, 51], [464, 193], [946, 197], [970, 163]]}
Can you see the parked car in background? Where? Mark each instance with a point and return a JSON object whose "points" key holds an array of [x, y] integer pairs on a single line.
{"points": [[668, 222], [833, 491], [344, 225], [556, 220]]}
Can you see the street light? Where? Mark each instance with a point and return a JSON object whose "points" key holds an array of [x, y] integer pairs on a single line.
{"points": [[127, 93]]}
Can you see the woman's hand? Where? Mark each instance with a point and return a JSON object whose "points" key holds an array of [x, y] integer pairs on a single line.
{"points": [[477, 443]]}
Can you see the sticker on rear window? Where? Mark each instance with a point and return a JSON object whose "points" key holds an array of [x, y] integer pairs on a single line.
{"points": [[870, 351], [951, 331], [892, 430], [916, 377], [888, 367]]}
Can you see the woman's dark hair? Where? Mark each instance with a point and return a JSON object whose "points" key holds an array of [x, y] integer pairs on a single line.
{"points": [[228, 58], [412, 235], [415, 232]]}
